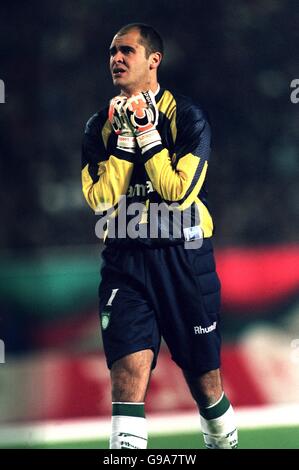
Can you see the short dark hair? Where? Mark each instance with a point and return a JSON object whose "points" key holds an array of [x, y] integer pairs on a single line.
{"points": [[150, 38]]}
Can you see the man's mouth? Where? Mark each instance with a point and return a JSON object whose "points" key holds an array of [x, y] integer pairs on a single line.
{"points": [[118, 71]]}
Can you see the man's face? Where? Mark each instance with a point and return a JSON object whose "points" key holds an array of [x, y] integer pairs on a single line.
{"points": [[130, 69]]}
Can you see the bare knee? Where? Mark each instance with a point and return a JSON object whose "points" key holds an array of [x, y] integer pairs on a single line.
{"points": [[130, 376], [206, 388]]}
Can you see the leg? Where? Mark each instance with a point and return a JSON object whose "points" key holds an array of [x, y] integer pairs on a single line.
{"points": [[205, 389], [185, 291], [131, 340], [216, 413], [129, 380], [130, 377]]}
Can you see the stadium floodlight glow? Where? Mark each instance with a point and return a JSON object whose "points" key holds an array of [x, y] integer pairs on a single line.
{"points": [[2, 352], [2, 92]]}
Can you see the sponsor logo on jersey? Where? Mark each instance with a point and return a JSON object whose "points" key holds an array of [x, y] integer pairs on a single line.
{"points": [[140, 189]]}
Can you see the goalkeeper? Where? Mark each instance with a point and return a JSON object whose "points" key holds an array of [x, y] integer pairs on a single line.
{"points": [[150, 148]]}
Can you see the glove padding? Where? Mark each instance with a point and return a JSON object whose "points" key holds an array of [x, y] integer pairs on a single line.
{"points": [[126, 139], [142, 115]]}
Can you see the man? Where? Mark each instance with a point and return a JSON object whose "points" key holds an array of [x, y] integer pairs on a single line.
{"points": [[149, 150]]}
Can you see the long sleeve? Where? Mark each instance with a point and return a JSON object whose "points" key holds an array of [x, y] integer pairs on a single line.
{"points": [[105, 174], [179, 176]]}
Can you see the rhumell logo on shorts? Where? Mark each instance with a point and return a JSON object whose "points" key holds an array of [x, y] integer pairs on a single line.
{"points": [[199, 330]]}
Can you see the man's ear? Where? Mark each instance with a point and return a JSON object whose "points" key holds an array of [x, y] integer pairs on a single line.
{"points": [[155, 60]]}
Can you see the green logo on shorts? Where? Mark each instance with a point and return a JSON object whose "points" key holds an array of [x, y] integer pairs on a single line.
{"points": [[105, 320]]}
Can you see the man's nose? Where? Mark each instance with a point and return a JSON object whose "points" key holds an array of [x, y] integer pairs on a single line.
{"points": [[118, 57]]}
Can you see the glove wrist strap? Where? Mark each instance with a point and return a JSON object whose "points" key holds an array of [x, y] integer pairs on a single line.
{"points": [[126, 143], [148, 140]]}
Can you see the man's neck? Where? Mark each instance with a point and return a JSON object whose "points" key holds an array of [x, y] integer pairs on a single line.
{"points": [[155, 88]]}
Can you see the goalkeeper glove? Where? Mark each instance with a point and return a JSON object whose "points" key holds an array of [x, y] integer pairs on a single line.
{"points": [[142, 114], [126, 140]]}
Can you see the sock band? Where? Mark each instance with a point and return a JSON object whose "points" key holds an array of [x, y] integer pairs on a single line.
{"points": [[216, 410], [216, 403], [128, 409]]}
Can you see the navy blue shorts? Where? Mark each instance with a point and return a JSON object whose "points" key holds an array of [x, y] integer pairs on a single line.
{"points": [[173, 292]]}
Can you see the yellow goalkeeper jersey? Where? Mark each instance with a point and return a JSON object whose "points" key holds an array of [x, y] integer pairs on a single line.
{"points": [[158, 197]]}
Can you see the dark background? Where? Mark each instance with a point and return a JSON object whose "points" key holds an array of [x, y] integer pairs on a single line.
{"points": [[237, 58]]}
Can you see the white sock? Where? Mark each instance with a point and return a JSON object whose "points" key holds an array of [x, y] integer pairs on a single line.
{"points": [[220, 430], [129, 427]]}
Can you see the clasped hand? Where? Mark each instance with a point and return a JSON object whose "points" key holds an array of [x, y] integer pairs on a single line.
{"points": [[134, 119]]}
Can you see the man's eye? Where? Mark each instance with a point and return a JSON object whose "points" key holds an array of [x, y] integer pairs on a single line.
{"points": [[123, 50]]}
